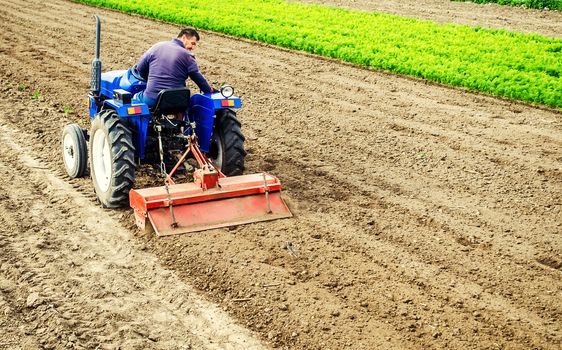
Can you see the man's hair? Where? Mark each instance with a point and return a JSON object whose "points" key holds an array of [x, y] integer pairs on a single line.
{"points": [[190, 32]]}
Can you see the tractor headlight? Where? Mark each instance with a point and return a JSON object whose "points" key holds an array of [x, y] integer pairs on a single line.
{"points": [[227, 91]]}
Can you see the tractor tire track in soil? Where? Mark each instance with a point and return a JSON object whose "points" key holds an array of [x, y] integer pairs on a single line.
{"points": [[425, 217]]}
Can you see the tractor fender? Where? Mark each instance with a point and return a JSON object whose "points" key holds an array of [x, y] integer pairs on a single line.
{"points": [[136, 116], [203, 109]]}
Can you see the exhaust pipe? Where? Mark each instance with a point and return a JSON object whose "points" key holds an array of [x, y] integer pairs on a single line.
{"points": [[95, 82]]}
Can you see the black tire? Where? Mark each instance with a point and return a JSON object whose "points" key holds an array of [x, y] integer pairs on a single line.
{"points": [[74, 150], [112, 159], [227, 144]]}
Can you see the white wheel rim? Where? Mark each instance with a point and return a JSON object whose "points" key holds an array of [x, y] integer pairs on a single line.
{"points": [[69, 152], [101, 160]]}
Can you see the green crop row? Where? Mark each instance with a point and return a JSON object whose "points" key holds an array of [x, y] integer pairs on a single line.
{"points": [[519, 66], [534, 4]]}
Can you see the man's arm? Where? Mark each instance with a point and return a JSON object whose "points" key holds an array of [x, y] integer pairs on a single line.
{"points": [[195, 75], [143, 64], [201, 82]]}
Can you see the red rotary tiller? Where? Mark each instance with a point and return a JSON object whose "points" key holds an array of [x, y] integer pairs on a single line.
{"points": [[211, 201]]}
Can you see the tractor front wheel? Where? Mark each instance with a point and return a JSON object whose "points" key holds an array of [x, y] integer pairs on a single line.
{"points": [[74, 150], [227, 144], [112, 159]]}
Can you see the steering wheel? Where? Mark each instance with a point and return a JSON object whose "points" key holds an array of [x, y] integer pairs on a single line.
{"points": [[136, 74]]}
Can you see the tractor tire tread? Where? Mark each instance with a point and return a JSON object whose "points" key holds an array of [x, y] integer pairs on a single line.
{"points": [[233, 163], [122, 149]]}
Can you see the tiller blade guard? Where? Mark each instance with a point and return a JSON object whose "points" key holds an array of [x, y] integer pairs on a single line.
{"points": [[211, 201]]}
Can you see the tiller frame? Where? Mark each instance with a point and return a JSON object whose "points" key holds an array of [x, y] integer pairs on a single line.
{"points": [[211, 201]]}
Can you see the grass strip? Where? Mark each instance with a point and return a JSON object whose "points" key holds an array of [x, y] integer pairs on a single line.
{"points": [[519, 66], [533, 4]]}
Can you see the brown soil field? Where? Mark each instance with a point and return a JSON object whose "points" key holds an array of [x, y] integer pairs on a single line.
{"points": [[424, 217]]}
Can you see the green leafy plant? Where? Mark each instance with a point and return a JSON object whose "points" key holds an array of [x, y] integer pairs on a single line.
{"points": [[22, 87], [519, 66], [36, 95], [66, 110]]}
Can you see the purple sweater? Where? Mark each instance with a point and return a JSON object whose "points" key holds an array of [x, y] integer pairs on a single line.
{"points": [[167, 65]]}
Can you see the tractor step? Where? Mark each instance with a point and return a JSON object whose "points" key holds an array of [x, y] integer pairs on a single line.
{"points": [[191, 207]]}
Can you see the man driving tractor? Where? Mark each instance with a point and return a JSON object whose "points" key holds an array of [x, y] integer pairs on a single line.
{"points": [[168, 64]]}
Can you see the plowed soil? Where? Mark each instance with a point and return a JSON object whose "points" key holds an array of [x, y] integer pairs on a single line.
{"points": [[424, 217]]}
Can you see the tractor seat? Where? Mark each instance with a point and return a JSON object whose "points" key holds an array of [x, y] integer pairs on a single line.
{"points": [[171, 101]]}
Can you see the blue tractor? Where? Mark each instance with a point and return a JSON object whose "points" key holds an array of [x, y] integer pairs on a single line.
{"points": [[126, 133], [199, 133]]}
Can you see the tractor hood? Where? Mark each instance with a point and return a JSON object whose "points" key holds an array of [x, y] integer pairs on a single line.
{"points": [[120, 79]]}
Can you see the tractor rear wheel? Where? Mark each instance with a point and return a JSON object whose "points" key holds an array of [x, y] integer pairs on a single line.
{"points": [[227, 144], [74, 150], [112, 159]]}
